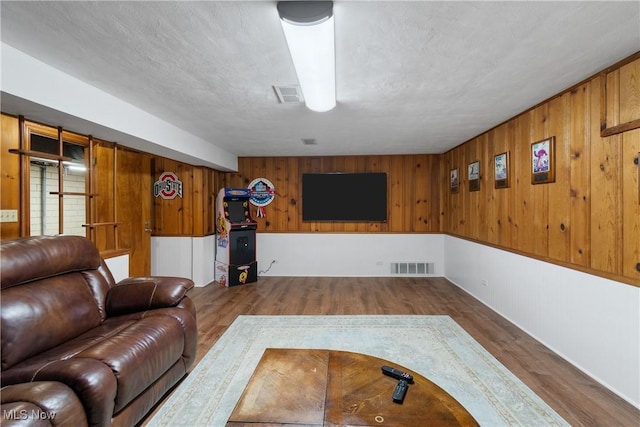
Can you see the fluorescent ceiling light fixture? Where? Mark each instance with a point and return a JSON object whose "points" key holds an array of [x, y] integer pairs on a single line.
{"points": [[79, 167], [308, 28]]}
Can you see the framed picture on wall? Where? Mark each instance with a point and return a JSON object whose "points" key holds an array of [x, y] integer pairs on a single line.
{"points": [[473, 174], [454, 181], [543, 161], [501, 170]]}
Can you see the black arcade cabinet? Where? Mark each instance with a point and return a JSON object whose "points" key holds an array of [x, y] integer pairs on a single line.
{"points": [[236, 262]]}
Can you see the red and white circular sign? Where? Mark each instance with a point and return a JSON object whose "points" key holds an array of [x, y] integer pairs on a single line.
{"points": [[168, 186]]}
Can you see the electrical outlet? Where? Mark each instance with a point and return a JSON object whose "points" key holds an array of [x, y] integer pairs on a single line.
{"points": [[485, 282], [9, 215]]}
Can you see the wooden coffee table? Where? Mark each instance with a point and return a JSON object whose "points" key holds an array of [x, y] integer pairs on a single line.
{"points": [[327, 388]]}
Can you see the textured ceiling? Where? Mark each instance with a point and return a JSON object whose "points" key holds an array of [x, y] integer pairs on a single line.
{"points": [[412, 77]]}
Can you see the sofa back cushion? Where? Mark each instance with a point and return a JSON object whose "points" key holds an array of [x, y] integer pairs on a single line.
{"points": [[40, 315], [32, 258], [47, 298]]}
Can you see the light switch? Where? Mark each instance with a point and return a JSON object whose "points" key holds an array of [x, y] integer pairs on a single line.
{"points": [[9, 215]]}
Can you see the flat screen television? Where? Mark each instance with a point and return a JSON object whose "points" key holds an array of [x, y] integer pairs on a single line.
{"points": [[345, 197]]}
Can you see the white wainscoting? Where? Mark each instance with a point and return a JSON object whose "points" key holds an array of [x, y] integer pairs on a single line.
{"points": [[345, 255], [119, 267], [592, 322], [190, 257]]}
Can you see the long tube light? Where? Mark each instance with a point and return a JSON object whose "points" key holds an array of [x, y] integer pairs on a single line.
{"points": [[309, 30]]}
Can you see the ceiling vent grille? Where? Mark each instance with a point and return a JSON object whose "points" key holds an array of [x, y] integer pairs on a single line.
{"points": [[309, 141], [288, 94]]}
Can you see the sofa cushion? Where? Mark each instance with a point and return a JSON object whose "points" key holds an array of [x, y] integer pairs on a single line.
{"points": [[91, 381], [118, 360], [139, 354], [33, 258], [40, 315], [47, 402], [146, 293]]}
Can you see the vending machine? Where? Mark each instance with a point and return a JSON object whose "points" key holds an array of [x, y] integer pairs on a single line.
{"points": [[236, 262]]}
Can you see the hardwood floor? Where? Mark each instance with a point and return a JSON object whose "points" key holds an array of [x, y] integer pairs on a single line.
{"points": [[580, 400]]}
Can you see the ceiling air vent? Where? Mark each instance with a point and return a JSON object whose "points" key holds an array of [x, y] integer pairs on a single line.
{"points": [[309, 141], [288, 94]]}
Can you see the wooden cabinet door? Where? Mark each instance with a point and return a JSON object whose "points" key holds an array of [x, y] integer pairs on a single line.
{"points": [[133, 198]]}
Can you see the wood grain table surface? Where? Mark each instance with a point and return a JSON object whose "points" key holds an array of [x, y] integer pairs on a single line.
{"points": [[304, 387]]}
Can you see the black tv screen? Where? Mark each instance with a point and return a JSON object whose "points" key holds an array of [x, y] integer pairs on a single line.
{"points": [[236, 211], [344, 197]]}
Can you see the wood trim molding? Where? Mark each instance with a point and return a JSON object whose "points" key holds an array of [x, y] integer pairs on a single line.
{"points": [[614, 130], [611, 125]]}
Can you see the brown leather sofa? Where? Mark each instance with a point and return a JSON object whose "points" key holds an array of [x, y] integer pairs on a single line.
{"points": [[79, 349]]}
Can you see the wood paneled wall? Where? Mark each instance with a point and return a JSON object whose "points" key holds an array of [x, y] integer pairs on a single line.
{"points": [[116, 201], [10, 170], [621, 89], [104, 206], [413, 191], [193, 213], [589, 218]]}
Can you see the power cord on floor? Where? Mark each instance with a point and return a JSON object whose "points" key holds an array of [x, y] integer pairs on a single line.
{"points": [[268, 268]]}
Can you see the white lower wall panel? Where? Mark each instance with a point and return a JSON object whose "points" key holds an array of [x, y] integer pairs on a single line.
{"points": [[119, 267], [204, 255], [344, 255], [592, 322], [190, 257]]}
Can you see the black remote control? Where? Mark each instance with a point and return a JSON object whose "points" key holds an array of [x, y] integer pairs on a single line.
{"points": [[397, 374], [400, 391]]}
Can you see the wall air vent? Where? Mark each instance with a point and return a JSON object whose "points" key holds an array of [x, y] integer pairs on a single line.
{"points": [[412, 268], [309, 141], [288, 94]]}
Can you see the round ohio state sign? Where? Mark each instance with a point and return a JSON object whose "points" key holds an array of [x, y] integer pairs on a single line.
{"points": [[168, 186]]}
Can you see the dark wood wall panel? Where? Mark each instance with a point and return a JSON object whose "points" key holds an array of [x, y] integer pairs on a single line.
{"points": [[414, 184]]}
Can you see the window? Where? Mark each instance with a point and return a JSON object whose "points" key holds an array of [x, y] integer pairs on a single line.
{"points": [[57, 176]]}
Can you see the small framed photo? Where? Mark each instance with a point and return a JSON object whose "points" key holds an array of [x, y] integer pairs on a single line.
{"points": [[454, 180], [473, 174], [543, 161], [501, 170]]}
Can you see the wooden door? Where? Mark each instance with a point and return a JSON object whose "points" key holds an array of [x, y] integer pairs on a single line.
{"points": [[10, 178], [133, 199]]}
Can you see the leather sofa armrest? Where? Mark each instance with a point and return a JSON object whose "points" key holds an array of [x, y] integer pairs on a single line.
{"points": [[146, 293], [41, 403]]}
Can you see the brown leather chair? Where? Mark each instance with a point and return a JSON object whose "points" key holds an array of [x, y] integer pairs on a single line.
{"points": [[72, 337]]}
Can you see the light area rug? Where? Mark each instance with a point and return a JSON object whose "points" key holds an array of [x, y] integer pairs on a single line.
{"points": [[434, 346]]}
